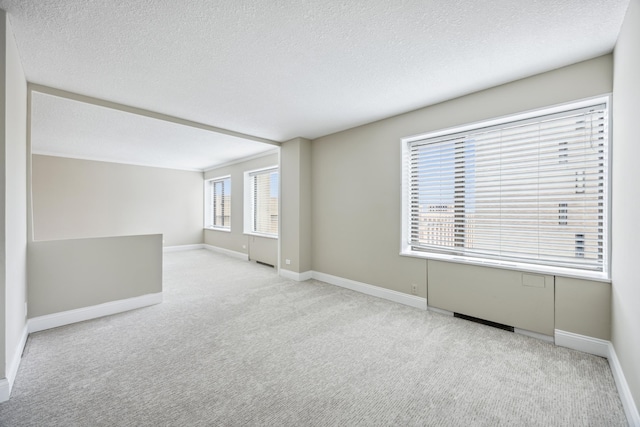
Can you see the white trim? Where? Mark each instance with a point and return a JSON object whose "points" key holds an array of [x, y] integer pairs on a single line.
{"points": [[509, 265], [298, 277], [224, 230], [606, 349], [54, 320], [5, 390], [247, 227], [104, 160], [536, 335], [12, 370], [376, 291], [208, 190], [229, 252], [182, 248], [440, 311], [6, 384], [629, 405], [605, 98], [405, 246], [582, 343], [244, 159]]}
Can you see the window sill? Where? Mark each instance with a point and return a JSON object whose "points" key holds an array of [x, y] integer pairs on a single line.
{"points": [[266, 236], [527, 268], [226, 230]]}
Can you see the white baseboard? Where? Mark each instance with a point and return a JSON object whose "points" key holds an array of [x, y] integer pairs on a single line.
{"points": [[5, 389], [239, 255], [582, 343], [629, 405], [376, 291], [182, 248], [6, 384], [49, 321], [12, 370], [606, 349], [298, 277]]}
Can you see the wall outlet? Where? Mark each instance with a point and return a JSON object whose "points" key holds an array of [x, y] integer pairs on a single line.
{"points": [[414, 289], [287, 261]]}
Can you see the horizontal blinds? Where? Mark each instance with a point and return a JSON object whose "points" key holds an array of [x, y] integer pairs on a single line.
{"points": [[531, 191], [265, 189], [221, 197]]}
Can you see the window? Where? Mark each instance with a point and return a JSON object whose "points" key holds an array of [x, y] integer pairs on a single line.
{"points": [[218, 203], [529, 191], [261, 202]]}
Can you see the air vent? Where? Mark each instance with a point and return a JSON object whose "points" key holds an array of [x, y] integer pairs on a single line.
{"points": [[264, 263], [484, 322]]}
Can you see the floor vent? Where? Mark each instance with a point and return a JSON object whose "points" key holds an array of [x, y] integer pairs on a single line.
{"points": [[264, 263], [484, 322]]}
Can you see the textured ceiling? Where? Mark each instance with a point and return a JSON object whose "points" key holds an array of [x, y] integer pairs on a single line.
{"points": [[285, 68]]}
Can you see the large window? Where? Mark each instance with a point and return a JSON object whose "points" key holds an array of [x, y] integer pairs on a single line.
{"points": [[529, 191], [218, 203], [262, 188]]}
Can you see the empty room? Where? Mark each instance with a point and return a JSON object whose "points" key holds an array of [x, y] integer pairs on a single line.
{"points": [[319, 213]]}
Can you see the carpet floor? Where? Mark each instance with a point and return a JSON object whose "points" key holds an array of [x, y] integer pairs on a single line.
{"points": [[235, 345]]}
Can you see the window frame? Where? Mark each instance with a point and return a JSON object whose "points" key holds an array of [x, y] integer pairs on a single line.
{"points": [[249, 201], [209, 220], [405, 245]]}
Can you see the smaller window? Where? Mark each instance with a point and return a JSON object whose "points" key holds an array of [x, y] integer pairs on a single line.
{"points": [[261, 202], [218, 203]]}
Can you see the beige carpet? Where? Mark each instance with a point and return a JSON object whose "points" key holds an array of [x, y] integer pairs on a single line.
{"points": [[233, 344]]}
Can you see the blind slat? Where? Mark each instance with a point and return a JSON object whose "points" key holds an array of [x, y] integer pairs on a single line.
{"points": [[533, 190]]}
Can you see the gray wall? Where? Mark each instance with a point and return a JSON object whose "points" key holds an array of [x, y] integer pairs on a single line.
{"points": [[13, 200], [295, 176], [70, 274], [356, 174], [626, 200], [82, 198], [255, 247], [494, 294], [583, 307]]}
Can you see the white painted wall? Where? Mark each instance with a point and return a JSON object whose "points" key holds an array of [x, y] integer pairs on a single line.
{"points": [[82, 198], [16, 202], [626, 200], [13, 206]]}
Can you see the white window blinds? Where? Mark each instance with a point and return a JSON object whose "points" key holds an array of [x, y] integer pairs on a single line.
{"points": [[264, 206], [221, 200], [530, 191]]}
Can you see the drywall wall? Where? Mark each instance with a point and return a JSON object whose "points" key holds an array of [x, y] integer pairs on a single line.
{"points": [[510, 297], [625, 327], [4, 383], [70, 274], [583, 307], [257, 248], [356, 174], [15, 151], [75, 198], [295, 176], [13, 207]]}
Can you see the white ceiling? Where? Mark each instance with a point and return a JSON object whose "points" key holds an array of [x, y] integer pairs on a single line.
{"points": [[287, 68], [75, 129]]}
